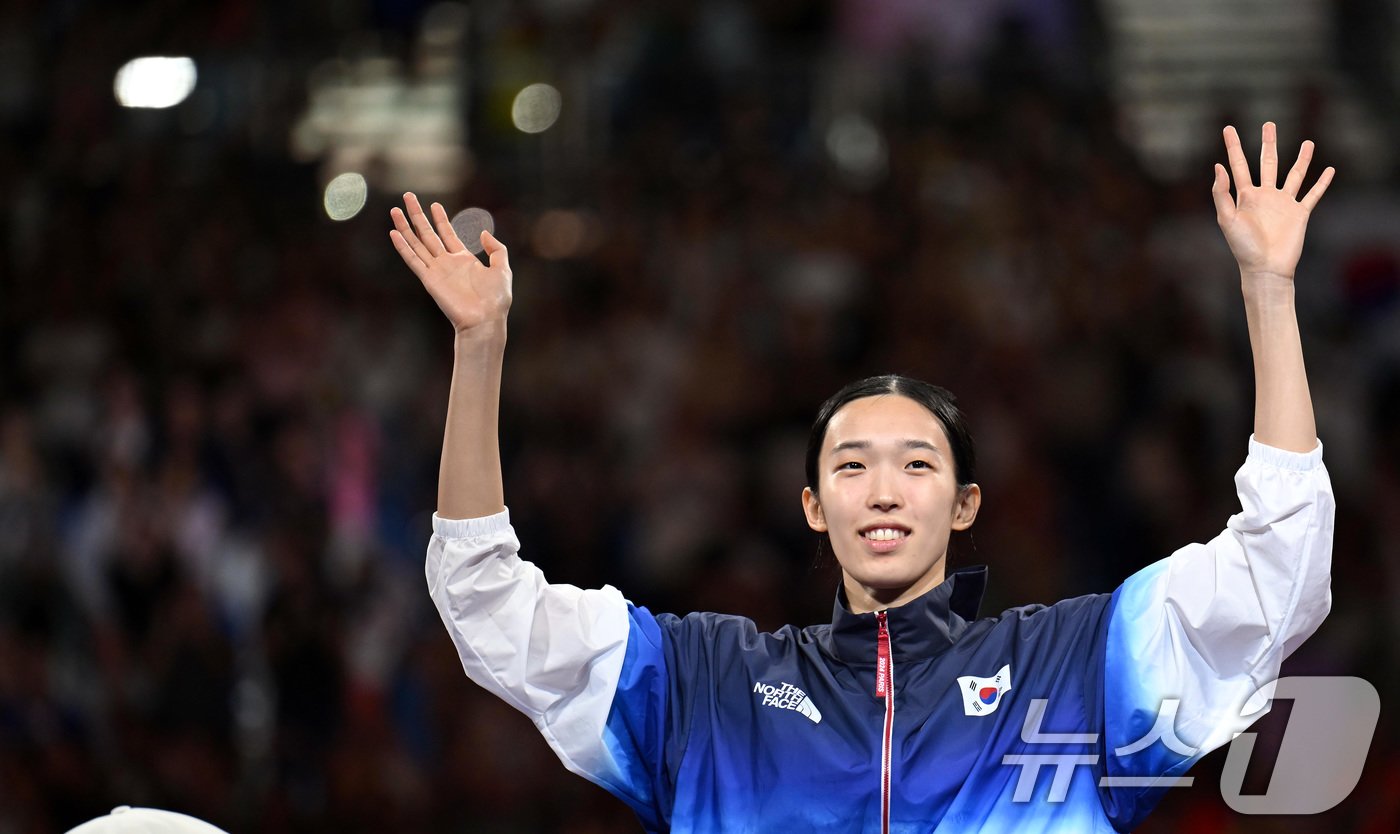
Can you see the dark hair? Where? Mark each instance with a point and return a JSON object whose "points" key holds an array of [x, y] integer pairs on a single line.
{"points": [[939, 401]]}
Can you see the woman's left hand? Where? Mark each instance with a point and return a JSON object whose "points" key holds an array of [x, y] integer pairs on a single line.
{"points": [[1264, 225]]}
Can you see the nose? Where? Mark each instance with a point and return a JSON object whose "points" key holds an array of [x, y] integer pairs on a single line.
{"points": [[884, 504], [882, 493]]}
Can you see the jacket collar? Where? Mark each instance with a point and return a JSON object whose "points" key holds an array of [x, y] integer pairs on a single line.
{"points": [[919, 629]]}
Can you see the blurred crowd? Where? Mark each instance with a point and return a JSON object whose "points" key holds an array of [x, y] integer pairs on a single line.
{"points": [[220, 412]]}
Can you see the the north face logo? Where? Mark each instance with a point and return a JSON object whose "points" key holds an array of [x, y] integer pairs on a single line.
{"points": [[787, 696]]}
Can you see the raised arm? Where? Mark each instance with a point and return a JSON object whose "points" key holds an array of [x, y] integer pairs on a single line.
{"points": [[587, 667], [1264, 226], [475, 297], [1195, 636]]}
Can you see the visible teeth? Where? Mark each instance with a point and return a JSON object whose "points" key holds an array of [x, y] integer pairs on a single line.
{"points": [[883, 534]]}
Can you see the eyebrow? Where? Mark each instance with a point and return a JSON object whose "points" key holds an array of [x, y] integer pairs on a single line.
{"points": [[907, 444]]}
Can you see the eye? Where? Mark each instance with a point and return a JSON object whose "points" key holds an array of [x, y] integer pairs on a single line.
{"points": [[920, 464], [849, 464]]}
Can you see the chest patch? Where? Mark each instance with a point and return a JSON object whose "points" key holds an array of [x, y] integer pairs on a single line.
{"points": [[787, 696], [982, 696]]}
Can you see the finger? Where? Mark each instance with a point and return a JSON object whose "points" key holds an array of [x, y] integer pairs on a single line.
{"points": [[445, 230], [421, 224], [1220, 192], [1319, 188], [1299, 170], [410, 237], [406, 252], [1239, 168], [495, 250], [1268, 157]]}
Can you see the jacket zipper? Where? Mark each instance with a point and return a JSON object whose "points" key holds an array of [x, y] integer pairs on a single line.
{"points": [[884, 688]]}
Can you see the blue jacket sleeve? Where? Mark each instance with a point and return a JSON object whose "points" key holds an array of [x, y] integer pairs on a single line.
{"points": [[1193, 638]]}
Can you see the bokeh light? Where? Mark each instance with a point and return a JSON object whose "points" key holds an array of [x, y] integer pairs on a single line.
{"points": [[559, 234], [155, 81], [536, 108], [346, 195], [469, 223], [857, 147]]}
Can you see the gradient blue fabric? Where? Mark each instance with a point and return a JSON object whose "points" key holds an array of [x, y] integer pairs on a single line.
{"points": [[1041, 719]]}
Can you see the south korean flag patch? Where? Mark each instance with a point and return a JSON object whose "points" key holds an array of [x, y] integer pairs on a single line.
{"points": [[982, 696]]}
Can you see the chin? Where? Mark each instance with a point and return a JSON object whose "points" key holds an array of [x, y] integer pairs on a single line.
{"points": [[887, 580], [891, 575]]}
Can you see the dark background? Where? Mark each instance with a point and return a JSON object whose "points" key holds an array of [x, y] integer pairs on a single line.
{"points": [[220, 411]]}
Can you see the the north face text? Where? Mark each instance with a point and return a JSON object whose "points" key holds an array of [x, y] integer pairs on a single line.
{"points": [[787, 696]]}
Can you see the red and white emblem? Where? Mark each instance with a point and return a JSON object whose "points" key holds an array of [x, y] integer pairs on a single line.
{"points": [[982, 696]]}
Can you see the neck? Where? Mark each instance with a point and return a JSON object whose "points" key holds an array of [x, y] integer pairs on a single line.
{"points": [[864, 599]]}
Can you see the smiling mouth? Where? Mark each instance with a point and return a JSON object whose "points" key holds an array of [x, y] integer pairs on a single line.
{"points": [[876, 534], [884, 539]]}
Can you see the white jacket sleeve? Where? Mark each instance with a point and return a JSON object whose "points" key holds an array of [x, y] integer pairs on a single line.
{"points": [[554, 652], [1211, 624]]}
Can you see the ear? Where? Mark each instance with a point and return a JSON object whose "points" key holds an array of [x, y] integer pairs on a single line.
{"points": [[812, 506], [969, 502]]}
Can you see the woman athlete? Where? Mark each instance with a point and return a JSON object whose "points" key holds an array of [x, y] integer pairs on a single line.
{"points": [[907, 712]]}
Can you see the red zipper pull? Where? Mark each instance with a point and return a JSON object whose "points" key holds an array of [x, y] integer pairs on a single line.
{"points": [[882, 660]]}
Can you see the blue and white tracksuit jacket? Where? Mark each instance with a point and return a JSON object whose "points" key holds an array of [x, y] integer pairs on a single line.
{"points": [[704, 724]]}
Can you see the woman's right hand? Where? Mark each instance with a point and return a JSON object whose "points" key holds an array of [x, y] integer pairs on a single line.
{"points": [[469, 292]]}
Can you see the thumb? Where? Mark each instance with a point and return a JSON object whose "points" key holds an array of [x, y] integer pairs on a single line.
{"points": [[1220, 192], [495, 250]]}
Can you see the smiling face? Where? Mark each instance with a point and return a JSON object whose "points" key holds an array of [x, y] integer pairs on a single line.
{"points": [[888, 497]]}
